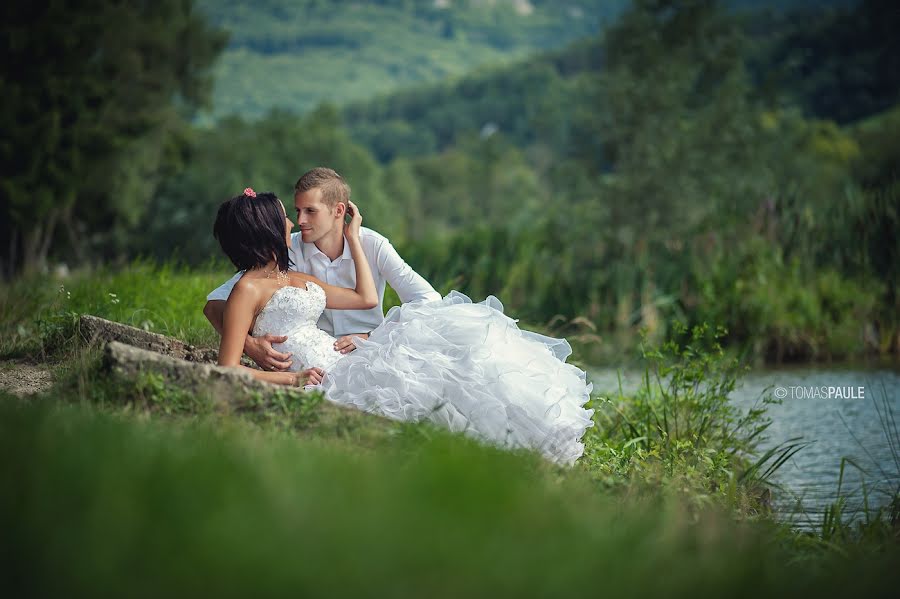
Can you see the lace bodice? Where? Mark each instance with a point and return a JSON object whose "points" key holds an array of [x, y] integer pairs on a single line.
{"points": [[294, 311]]}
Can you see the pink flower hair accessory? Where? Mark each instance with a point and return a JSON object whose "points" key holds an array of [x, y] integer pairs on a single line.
{"points": [[249, 192]]}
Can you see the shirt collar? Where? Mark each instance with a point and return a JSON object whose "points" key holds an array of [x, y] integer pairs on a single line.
{"points": [[345, 255], [298, 248], [308, 250]]}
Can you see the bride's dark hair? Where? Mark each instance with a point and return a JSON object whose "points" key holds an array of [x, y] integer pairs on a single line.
{"points": [[250, 230]]}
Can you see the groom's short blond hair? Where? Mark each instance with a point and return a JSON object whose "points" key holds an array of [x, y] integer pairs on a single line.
{"points": [[334, 188]]}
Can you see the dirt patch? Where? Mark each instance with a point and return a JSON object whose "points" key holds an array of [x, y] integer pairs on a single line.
{"points": [[21, 378]]}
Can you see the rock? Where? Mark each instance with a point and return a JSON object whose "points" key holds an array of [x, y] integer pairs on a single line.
{"points": [[94, 330], [236, 391], [130, 351], [227, 386]]}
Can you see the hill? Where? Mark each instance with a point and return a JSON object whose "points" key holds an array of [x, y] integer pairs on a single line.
{"points": [[295, 55], [832, 61]]}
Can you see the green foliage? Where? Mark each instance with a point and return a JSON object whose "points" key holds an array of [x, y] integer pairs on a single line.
{"points": [[479, 182], [681, 429], [673, 152], [86, 124], [520, 101], [816, 314], [84, 379], [879, 143], [680, 124], [835, 63], [873, 213]]}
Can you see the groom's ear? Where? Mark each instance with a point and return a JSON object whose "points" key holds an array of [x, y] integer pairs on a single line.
{"points": [[340, 209]]}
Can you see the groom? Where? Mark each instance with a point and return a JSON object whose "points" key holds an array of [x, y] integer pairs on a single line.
{"points": [[321, 197]]}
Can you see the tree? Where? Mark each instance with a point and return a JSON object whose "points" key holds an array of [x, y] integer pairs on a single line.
{"points": [[841, 64], [269, 155], [92, 90], [404, 195]]}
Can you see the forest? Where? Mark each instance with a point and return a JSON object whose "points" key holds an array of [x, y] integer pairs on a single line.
{"points": [[681, 164]]}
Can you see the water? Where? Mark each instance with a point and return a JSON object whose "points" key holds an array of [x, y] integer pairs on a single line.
{"points": [[835, 427]]}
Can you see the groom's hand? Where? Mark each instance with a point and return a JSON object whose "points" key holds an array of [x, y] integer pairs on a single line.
{"points": [[345, 344], [260, 350]]}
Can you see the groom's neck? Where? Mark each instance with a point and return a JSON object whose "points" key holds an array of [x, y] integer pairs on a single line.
{"points": [[332, 245]]}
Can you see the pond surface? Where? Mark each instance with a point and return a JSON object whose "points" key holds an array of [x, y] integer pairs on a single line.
{"points": [[841, 412]]}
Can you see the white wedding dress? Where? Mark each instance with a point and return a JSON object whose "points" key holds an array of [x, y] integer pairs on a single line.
{"points": [[462, 365]]}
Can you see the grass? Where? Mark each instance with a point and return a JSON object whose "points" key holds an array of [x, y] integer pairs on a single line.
{"points": [[38, 314], [93, 502], [133, 486], [877, 521]]}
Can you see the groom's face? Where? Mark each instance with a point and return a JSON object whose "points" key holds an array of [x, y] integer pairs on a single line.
{"points": [[314, 218]]}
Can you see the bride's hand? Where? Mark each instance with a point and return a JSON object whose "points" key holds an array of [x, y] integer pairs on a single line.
{"points": [[352, 228], [310, 376]]}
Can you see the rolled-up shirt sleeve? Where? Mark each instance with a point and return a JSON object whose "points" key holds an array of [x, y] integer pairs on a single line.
{"points": [[224, 290], [409, 285]]}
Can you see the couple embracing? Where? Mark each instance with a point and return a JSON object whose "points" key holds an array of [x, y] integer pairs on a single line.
{"points": [[307, 308]]}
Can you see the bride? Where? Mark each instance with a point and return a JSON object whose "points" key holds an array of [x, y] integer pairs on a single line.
{"points": [[462, 365]]}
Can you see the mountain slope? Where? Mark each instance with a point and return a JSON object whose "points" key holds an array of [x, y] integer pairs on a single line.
{"points": [[296, 54]]}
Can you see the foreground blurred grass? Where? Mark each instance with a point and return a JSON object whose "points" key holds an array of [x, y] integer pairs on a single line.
{"points": [[94, 503]]}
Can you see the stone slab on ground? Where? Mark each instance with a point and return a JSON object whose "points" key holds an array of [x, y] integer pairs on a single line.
{"points": [[228, 385], [234, 390], [95, 330]]}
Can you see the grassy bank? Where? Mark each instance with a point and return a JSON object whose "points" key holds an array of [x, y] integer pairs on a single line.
{"points": [[132, 486], [96, 502], [37, 314]]}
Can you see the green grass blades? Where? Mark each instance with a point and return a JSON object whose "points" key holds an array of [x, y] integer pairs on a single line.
{"points": [[95, 503], [38, 315]]}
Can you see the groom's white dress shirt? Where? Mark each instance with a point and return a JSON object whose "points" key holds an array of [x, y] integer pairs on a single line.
{"points": [[387, 267]]}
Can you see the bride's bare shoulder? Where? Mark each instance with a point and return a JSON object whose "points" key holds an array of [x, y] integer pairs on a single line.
{"points": [[247, 296], [247, 287]]}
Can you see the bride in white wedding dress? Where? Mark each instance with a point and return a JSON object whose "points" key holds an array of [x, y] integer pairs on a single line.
{"points": [[462, 365]]}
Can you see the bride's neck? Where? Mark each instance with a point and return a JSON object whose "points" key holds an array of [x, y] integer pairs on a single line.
{"points": [[270, 266]]}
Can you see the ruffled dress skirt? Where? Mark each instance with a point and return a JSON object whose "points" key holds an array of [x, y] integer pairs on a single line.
{"points": [[469, 368]]}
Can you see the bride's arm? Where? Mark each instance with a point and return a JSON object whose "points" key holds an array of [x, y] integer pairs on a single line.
{"points": [[365, 295], [242, 304]]}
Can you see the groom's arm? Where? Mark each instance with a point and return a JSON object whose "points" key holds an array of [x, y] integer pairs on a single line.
{"points": [[259, 349], [409, 285]]}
